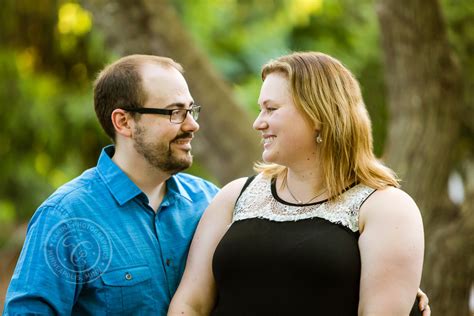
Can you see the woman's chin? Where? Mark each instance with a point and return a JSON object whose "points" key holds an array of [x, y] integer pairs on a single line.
{"points": [[268, 158]]}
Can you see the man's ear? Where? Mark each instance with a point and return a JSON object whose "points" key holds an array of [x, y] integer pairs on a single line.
{"points": [[122, 122]]}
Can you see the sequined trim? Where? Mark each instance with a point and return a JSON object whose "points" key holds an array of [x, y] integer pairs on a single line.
{"points": [[257, 201]]}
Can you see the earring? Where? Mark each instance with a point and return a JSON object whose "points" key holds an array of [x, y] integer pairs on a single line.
{"points": [[319, 139]]}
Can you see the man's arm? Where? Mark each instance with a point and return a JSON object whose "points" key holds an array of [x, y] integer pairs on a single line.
{"points": [[41, 283]]}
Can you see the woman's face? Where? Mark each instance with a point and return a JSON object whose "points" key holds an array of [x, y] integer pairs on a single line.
{"points": [[287, 136]]}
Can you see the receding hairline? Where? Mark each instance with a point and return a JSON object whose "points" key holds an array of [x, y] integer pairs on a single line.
{"points": [[138, 60], [164, 62], [142, 58]]}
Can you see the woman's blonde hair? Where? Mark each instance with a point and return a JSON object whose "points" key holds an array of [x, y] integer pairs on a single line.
{"points": [[328, 94]]}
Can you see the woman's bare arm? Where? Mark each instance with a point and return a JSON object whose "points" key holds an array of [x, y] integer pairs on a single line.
{"points": [[391, 246], [196, 293]]}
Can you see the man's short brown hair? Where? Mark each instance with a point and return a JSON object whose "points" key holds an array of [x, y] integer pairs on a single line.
{"points": [[120, 85]]}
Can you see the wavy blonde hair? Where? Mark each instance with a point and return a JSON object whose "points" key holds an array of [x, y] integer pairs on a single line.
{"points": [[328, 94]]}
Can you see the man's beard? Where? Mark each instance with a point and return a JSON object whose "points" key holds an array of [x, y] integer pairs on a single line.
{"points": [[160, 155]]}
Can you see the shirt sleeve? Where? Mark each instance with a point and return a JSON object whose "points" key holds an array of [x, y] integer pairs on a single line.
{"points": [[43, 282]]}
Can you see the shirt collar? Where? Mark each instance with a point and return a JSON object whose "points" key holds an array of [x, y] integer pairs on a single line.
{"points": [[175, 187], [119, 184], [122, 188]]}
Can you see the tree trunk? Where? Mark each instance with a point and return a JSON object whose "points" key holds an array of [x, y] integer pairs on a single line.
{"points": [[425, 98], [225, 144]]}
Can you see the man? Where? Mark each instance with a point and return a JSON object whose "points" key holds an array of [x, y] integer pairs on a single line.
{"points": [[115, 239]]}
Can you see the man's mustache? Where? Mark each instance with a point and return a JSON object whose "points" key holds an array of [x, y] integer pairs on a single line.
{"points": [[183, 135]]}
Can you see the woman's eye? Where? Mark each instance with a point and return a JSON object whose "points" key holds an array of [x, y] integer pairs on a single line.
{"points": [[266, 110]]}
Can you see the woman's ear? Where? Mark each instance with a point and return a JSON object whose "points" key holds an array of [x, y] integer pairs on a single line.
{"points": [[122, 122], [317, 127]]}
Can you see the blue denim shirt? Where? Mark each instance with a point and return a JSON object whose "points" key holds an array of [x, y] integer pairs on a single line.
{"points": [[96, 247]]}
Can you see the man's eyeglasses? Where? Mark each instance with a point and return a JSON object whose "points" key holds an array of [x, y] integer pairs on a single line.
{"points": [[177, 116]]}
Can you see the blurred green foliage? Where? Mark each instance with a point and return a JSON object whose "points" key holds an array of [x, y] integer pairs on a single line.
{"points": [[48, 131], [240, 36], [50, 53]]}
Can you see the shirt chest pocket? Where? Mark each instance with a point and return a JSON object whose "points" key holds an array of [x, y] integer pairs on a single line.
{"points": [[129, 291]]}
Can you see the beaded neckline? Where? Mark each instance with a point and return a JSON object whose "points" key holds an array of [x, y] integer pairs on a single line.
{"points": [[260, 200], [279, 199]]}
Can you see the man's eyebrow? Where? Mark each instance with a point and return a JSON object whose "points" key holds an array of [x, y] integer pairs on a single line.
{"points": [[178, 105]]}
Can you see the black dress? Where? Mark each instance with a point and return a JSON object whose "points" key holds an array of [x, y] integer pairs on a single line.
{"points": [[279, 258]]}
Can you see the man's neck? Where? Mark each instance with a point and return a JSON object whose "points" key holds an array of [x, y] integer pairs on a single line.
{"points": [[149, 179]]}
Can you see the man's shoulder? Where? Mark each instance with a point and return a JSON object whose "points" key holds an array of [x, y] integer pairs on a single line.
{"points": [[81, 188], [72, 199]]}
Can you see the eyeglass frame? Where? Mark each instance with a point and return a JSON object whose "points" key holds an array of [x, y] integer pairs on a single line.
{"points": [[196, 109]]}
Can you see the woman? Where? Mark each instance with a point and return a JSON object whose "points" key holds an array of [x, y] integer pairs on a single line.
{"points": [[323, 228]]}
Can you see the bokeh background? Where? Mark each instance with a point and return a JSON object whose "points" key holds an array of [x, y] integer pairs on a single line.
{"points": [[414, 60]]}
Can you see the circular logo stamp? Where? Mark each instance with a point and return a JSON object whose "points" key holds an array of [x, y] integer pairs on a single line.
{"points": [[78, 250]]}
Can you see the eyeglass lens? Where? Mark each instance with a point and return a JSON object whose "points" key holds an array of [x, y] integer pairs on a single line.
{"points": [[178, 116]]}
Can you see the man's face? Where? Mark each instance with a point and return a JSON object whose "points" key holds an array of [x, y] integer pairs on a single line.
{"points": [[163, 144]]}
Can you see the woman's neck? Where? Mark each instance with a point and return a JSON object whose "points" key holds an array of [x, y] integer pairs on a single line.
{"points": [[303, 185]]}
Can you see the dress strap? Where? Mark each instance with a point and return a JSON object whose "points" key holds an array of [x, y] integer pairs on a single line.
{"points": [[246, 184], [364, 198]]}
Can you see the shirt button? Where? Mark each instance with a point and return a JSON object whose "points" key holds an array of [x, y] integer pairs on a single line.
{"points": [[168, 262], [128, 276]]}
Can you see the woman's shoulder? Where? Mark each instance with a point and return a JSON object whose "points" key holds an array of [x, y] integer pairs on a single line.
{"points": [[392, 196], [388, 204], [231, 191]]}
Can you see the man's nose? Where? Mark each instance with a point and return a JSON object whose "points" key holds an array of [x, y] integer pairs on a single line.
{"points": [[190, 124]]}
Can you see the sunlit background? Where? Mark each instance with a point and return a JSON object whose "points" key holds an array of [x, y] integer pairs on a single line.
{"points": [[51, 51]]}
